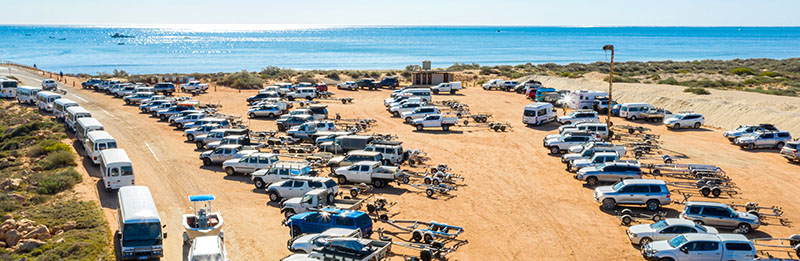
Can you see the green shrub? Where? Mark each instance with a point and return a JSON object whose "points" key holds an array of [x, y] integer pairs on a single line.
{"points": [[670, 81], [413, 67], [333, 75], [58, 159], [568, 74], [767, 74], [697, 90], [277, 72], [743, 71], [464, 66], [59, 181], [242, 80], [481, 82]]}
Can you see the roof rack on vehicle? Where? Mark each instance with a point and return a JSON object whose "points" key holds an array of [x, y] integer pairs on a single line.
{"points": [[387, 142]]}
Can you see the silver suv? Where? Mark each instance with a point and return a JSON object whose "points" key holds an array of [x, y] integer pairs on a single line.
{"points": [[609, 172], [774, 139], [720, 215], [747, 130], [649, 192], [790, 151]]}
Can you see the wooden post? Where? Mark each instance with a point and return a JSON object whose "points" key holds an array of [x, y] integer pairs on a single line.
{"points": [[610, 82]]}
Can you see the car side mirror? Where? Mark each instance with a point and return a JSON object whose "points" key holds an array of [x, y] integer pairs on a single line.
{"points": [[685, 250]]}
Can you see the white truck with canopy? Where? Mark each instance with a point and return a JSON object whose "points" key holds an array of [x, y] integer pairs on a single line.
{"points": [[316, 200], [434, 121], [370, 172]]}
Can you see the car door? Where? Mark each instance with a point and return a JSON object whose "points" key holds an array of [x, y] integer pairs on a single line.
{"points": [[626, 194], [712, 216], [666, 233], [641, 194], [432, 121], [610, 174], [298, 189], [250, 164]]}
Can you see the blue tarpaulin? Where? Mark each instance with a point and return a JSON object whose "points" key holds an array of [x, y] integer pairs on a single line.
{"points": [[198, 198]]}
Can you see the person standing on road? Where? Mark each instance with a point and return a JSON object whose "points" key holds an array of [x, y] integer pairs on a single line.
{"points": [[565, 110]]}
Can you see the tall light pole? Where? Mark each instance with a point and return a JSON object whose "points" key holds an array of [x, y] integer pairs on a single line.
{"points": [[608, 47]]}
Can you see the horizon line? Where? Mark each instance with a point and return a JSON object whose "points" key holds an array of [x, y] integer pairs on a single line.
{"points": [[386, 25]]}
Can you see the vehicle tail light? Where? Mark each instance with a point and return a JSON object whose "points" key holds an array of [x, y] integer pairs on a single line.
{"points": [[669, 195], [640, 173], [94, 158], [108, 183], [132, 183]]}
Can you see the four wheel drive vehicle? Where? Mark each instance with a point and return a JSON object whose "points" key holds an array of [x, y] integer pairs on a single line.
{"points": [[649, 192], [391, 151], [268, 110], [419, 113], [181, 122], [225, 152], [528, 86], [509, 85], [579, 116], [281, 170], [633, 110], [609, 172], [124, 91], [599, 129], [434, 121], [346, 143], [163, 106], [697, 246], [298, 186], [588, 151], [307, 243], [348, 85], [562, 143], [192, 133], [493, 84], [369, 172], [49, 85], [307, 93], [747, 130], [223, 123], [389, 81], [165, 88], [243, 140], [451, 87], [291, 121], [538, 113], [318, 222], [249, 163], [308, 130], [194, 86], [137, 98], [597, 159], [719, 215], [165, 114], [790, 151], [601, 106], [90, 83], [217, 135], [284, 88], [405, 107], [321, 86], [665, 230], [175, 117], [208, 248], [404, 100], [261, 96], [353, 157], [367, 83], [655, 115], [395, 99], [152, 104], [316, 200], [685, 120], [319, 111], [284, 105], [764, 140]]}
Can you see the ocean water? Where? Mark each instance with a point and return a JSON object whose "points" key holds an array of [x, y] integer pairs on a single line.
{"points": [[225, 48]]}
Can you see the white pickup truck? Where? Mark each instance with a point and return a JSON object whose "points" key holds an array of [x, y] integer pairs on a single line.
{"points": [[419, 112], [315, 200], [194, 86], [450, 87], [434, 121], [370, 172]]}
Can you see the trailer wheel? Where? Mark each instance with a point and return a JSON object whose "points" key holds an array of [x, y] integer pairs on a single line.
{"points": [[405, 179], [754, 213], [716, 192], [427, 180], [609, 204], [429, 192], [370, 208], [383, 217], [626, 220], [353, 192], [344, 101], [342, 180], [416, 236], [705, 191], [656, 172], [436, 182], [428, 238], [425, 255]]}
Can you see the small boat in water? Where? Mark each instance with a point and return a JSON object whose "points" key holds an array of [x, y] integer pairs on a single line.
{"points": [[120, 43], [62, 39], [119, 35]]}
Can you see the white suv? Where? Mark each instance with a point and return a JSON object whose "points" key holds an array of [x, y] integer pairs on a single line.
{"points": [[298, 186], [685, 120], [418, 113], [249, 163], [302, 93]]}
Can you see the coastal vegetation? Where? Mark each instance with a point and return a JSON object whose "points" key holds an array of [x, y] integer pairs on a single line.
{"points": [[42, 218]]}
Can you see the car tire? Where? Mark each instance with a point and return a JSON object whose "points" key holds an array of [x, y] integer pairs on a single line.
{"points": [[163, 117], [342, 180], [407, 119], [446, 127], [190, 137], [206, 162], [230, 171], [260, 184], [288, 213], [419, 127], [397, 114], [653, 205], [751, 146], [199, 145], [378, 183], [452, 92], [744, 228], [609, 204], [696, 125], [295, 231], [252, 115], [645, 241], [676, 126], [779, 145], [271, 115], [436, 92], [554, 150], [274, 197], [633, 118], [591, 181]]}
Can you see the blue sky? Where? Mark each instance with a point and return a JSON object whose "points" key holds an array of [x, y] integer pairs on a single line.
{"points": [[407, 12]]}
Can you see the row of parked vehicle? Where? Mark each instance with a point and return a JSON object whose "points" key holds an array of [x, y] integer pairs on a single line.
{"points": [[414, 106]]}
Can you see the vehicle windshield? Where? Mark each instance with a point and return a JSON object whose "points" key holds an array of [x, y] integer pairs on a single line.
{"points": [[658, 225], [208, 257], [701, 228], [678, 117], [617, 186], [307, 199], [742, 128], [677, 241], [141, 234]]}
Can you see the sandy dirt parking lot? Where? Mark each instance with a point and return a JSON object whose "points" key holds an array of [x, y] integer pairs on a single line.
{"points": [[518, 203]]}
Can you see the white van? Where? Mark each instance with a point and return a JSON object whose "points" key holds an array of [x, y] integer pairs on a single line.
{"points": [[422, 93], [538, 113], [60, 107], [632, 111], [27, 94], [116, 168], [97, 141], [73, 114], [140, 235], [45, 100], [582, 99], [8, 88], [84, 125]]}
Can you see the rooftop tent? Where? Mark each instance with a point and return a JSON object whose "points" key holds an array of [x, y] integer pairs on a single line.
{"points": [[201, 198]]}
